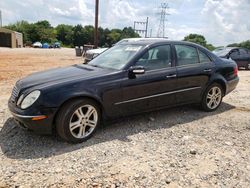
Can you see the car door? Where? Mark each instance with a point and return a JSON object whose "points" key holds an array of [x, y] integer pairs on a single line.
{"points": [[154, 88], [194, 69], [242, 58], [236, 56]]}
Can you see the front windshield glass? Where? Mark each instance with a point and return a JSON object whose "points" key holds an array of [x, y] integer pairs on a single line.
{"points": [[223, 52], [116, 57]]}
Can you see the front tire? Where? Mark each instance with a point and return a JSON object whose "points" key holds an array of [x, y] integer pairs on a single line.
{"points": [[212, 98], [247, 66], [78, 120]]}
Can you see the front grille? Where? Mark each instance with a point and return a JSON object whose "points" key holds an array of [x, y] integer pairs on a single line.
{"points": [[15, 93]]}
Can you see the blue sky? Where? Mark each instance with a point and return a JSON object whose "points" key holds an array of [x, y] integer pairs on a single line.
{"points": [[220, 21]]}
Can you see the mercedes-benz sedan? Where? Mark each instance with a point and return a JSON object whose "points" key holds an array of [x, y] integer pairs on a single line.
{"points": [[126, 79]]}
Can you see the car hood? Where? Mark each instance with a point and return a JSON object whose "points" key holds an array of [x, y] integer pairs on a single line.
{"points": [[61, 75]]}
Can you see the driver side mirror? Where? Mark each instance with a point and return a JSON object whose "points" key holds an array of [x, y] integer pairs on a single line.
{"points": [[136, 70]]}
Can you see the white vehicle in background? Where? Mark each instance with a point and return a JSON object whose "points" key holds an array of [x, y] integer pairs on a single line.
{"points": [[91, 54], [37, 45]]}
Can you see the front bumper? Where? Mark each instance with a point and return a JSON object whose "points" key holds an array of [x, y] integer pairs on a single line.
{"points": [[26, 119]]}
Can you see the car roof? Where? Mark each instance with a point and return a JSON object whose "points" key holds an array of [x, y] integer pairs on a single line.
{"points": [[235, 48], [153, 41]]}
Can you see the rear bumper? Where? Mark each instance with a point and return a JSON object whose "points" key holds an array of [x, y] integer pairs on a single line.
{"points": [[231, 85], [26, 119]]}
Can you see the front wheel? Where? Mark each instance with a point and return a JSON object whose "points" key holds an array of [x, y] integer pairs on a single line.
{"points": [[212, 98], [78, 120], [247, 66]]}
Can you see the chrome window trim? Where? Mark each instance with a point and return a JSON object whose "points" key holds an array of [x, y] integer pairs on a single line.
{"points": [[157, 95], [160, 69], [196, 64]]}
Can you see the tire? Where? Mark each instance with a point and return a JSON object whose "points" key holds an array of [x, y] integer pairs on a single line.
{"points": [[78, 120], [247, 66], [212, 97]]}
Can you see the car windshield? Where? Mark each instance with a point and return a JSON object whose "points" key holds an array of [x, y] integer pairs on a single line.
{"points": [[116, 57], [222, 52]]}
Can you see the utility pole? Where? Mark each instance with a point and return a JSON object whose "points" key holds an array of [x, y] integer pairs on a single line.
{"points": [[142, 31], [1, 22], [146, 33], [163, 13], [96, 23]]}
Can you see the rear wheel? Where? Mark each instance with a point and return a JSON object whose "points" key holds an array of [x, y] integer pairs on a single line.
{"points": [[247, 66], [78, 120], [212, 97]]}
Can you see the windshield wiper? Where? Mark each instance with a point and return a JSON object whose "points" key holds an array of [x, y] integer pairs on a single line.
{"points": [[95, 66]]}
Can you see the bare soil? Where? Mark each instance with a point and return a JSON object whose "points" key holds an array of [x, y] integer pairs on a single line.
{"points": [[177, 147]]}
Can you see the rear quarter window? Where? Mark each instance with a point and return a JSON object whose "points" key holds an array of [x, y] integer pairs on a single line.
{"points": [[203, 57]]}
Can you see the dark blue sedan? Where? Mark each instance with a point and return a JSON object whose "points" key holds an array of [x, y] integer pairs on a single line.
{"points": [[129, 78]]}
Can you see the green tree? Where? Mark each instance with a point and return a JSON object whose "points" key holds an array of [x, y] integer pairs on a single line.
{"points": [[46, 32], [69, 35], [114, 36], [128, 32], [21, 27], [245, 44], [65, 34], [195, 38], [199, 39], [78, 35]]}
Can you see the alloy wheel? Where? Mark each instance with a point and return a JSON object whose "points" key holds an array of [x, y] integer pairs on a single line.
{"points": [[214, 97], [83, 121]]}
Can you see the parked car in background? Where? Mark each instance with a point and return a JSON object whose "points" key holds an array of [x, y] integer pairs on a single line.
{"points": [[129, 78], [55, 45], [37, 45], [218, 49], [91, 54], [45, 45], [240, 55]]}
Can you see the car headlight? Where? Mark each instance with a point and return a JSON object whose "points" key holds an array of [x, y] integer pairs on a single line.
{"points": [[27, 101]]}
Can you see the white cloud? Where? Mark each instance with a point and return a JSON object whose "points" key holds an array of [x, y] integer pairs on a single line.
{"points": [[226, 21], [116, 13], [220, 21]]}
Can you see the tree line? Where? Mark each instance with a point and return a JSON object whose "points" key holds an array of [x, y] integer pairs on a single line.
{"points": [[69, 35], [78, 35], [199, 39]]}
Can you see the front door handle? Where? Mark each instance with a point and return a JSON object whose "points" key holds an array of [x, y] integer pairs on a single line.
{"points": [[207, 70], [171, 76]]}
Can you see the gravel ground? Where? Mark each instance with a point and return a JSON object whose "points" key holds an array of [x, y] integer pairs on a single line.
{"points": [[177, 147]]}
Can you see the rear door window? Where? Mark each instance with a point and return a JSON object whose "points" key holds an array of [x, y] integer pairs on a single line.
{"points": [[186, 55]]}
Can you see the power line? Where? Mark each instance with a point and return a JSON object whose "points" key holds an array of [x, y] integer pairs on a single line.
{"points": [[145, 27], [163, 13]]}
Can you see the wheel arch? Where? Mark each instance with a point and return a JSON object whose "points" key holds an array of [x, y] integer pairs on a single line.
{"points": [[223, 85], [219, 80], [68, 100]]}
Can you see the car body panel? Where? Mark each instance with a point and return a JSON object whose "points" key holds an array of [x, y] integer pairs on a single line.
{"points": [[116, 92]]}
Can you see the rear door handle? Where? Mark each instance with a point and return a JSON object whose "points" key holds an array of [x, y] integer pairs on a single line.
{"points": [[207, 70], [171, 76]]}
